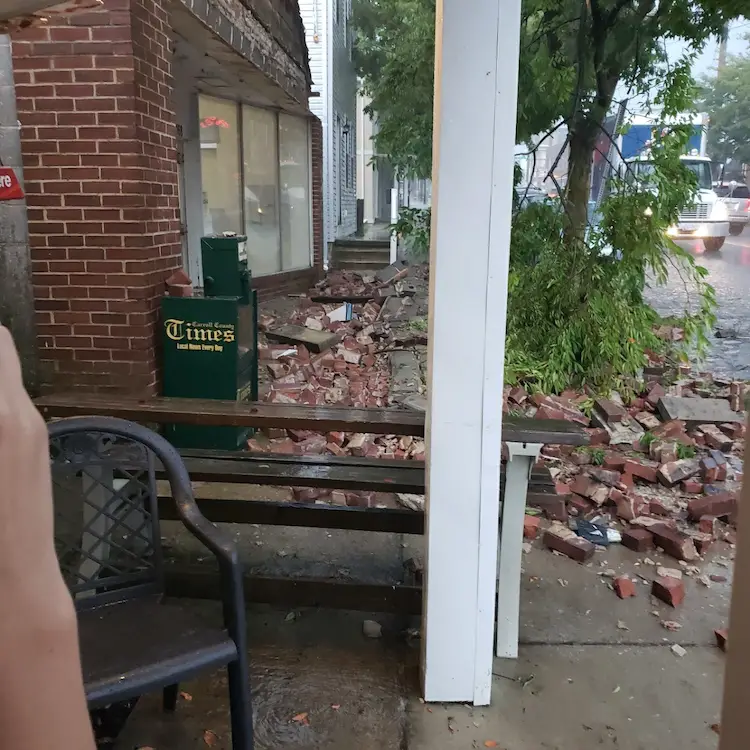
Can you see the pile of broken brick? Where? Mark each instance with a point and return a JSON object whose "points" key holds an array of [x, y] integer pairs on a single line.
{"points": [[328, 350], [662, 470]]}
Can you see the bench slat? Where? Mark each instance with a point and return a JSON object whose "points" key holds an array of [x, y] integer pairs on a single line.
{"points": [[375, 479], [289, 416]]}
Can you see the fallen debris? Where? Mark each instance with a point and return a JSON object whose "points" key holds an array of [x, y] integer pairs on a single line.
{"points": [[722, 638], [624, 587], [669, 590], [563, 540], [696, 411], [316, 341], [372, 629]]}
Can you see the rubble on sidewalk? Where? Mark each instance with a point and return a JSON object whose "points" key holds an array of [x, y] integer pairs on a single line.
{"points": [[663, 464]]}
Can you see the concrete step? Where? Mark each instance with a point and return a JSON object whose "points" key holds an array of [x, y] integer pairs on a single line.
{"points": [[359, 258]]}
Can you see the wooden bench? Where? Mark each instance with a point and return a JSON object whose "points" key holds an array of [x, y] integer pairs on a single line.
{"points": [[524, 438]]}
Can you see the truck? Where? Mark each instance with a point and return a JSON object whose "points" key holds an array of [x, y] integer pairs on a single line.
{"points": [[707, 218]]}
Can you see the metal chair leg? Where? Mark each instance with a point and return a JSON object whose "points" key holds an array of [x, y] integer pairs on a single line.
{"points": [[240, 704], [169, 698]]}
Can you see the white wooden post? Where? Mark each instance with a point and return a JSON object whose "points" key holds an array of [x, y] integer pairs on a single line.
{"points": [[521, 458], [476, 81]]}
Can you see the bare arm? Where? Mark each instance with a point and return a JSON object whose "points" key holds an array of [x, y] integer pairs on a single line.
{"points": [[42, 702]]}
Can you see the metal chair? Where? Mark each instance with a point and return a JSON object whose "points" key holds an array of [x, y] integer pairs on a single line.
{"points": [[108, 542]]}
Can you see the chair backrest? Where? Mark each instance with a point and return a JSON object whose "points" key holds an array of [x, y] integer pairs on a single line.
{"points": [[106, 515]]}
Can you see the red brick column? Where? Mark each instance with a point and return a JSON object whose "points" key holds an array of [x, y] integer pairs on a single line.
{"points": [[98, 132]]}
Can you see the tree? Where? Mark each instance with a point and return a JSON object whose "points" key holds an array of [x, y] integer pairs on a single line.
{"points": [[726, 98], [395, 59], [575, 314]]}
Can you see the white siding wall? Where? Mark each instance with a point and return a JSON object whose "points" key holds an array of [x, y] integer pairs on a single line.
{"points": [[335, 80], [316, 17], [344, 112]]}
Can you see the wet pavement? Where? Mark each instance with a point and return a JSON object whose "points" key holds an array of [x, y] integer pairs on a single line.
{"points": [[729, 273], [593, 672]]}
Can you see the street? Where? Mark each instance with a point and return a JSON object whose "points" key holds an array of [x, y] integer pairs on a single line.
{"points": [[729, 273]]}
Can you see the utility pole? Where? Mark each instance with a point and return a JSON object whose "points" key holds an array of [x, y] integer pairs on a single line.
{"points": [[16, 293], [723, 39]]}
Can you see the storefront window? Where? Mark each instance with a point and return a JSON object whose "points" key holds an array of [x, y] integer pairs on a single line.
{"points": [[294, 152], [220, 166], [264, 192], [261, 190]]}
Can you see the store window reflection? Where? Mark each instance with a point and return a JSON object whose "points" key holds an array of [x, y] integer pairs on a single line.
{"points": [[261, 191], [256, 181], [220, 166], [294, 159]]}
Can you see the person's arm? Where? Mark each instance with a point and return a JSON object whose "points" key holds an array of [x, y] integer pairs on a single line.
{"points": [[42, 702]]}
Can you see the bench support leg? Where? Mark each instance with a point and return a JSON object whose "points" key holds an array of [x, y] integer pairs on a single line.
{"points": [[521, 458]]}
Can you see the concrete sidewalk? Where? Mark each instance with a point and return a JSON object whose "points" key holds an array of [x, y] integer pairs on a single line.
{"points": [[594, 671]]}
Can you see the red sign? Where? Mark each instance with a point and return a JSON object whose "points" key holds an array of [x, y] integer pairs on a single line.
{"points": [[10, 189]]}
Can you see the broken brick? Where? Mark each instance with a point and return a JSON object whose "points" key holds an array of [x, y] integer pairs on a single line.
{"points": [[605, 476], [647, 420], [722, 638], [313, 444], [658, 508], [572, 546], [580, 505], [611, 410], [518, 395], [691, 486], [305, 494], [360, 499], [669, 428], [553, 507], [667, 452], [530, 527], [709, 525], [582, 485], [669, 590], [598, 436], [286, 446], [675, 543], [630, 507], [709, 469], [641, 470], [336, 450], [600, 495], [655, 393], [733, 430], [546, 412], [338, 438], [338, 497], [715, 438], [614, 461], [701, 541], [722, 505], [624, 587], [674, 472], [638, 540], [299, 435]]}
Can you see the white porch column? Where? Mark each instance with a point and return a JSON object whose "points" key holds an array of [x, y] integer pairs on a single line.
{"points": [[476, 79]]}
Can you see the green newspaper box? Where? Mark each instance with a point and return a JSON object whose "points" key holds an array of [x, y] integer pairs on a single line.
{"points": [[210, 343]]}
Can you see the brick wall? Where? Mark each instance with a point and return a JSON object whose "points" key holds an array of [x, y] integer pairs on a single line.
{"points": [[98, 135]]}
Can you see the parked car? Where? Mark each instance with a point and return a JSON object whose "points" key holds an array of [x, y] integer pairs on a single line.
{"points": [[736, 197]]}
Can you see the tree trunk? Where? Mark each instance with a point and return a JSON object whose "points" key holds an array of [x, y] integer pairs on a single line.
{"points": [[577, 191]]}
